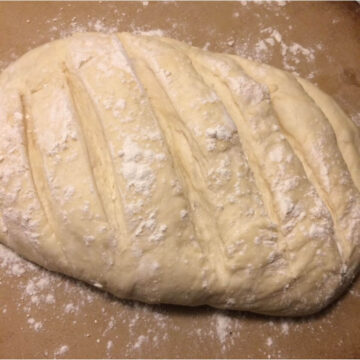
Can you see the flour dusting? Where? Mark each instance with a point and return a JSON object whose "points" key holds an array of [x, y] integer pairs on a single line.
{"points": [[70, 303]]}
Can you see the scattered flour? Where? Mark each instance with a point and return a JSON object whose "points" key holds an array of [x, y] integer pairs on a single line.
{"points": [[70, 308], [223, 326], [144, 323], [36, 325], [269, 341], [63, 349], [292, 52], [140, 341], [285, 328], [141, 324], [12, 264]]}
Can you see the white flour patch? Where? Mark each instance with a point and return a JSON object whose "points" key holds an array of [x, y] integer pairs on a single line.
{"points": [[63, 349], [285, 328], [36, 325], [223, 326], [140, 342]]}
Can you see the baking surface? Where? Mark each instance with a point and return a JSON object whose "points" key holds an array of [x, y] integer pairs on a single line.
{"points": [[47, 315]]}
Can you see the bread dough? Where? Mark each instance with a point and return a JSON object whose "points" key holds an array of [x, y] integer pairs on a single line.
{"points": [[167, 174]]}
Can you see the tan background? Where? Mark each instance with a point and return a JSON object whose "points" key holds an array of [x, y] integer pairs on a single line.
{"points": [[47, 315]]}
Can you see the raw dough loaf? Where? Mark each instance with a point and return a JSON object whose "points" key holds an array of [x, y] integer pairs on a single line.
{"points": [[168, 174]]}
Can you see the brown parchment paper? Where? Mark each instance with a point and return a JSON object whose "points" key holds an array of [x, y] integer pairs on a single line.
{"points": [[47, 315]]}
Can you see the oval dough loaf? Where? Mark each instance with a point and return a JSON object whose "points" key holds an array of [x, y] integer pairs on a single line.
{"points": [[168, 174]]}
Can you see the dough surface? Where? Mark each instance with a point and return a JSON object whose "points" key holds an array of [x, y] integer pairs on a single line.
{"points": [[168, 174]]}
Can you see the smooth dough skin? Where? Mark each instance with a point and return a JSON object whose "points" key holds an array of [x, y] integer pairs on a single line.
{"points": [[167, 174]]}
